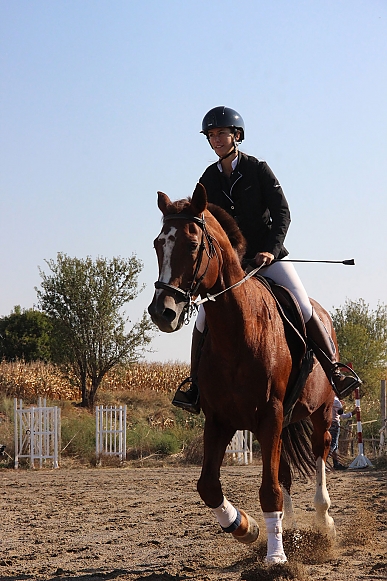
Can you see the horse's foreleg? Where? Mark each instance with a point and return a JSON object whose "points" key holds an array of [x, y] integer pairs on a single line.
{"points": [[270, 492], [243, 527], [240, 524]]}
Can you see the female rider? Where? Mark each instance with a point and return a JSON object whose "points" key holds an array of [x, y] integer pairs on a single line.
{"points": [[249, 191]]}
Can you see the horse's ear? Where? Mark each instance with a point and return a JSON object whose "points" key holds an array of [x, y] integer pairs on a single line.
{"points": [[163, 202], [199, 199]]}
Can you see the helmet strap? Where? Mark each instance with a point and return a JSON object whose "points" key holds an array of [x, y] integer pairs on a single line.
{"points": [[229, 153]]}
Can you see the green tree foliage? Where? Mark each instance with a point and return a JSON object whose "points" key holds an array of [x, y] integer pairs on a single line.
{"points": [[86, 300], [362, 337], [25, 335]]}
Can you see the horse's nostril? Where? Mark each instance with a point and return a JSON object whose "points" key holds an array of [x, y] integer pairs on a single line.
{"points": [[169, 315]]}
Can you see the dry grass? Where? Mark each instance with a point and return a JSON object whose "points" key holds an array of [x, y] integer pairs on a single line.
{"points": [[154, 424], [160, 377], [31, 380]]}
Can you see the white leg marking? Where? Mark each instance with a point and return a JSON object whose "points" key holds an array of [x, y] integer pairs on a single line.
{"points": [[322, 502]]}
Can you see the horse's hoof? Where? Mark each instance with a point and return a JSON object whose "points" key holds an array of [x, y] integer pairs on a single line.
{"points": [[276, 559], [330, 529], [248, 530], [326, 527]]}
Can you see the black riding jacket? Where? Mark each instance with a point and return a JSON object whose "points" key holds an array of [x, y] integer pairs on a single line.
{"points": [[254, 197]]}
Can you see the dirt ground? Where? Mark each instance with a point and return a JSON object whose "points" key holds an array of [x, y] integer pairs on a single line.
{"points": [[149, 523]]}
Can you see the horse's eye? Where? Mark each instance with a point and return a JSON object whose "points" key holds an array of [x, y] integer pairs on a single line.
{"points": [[193, 246]]}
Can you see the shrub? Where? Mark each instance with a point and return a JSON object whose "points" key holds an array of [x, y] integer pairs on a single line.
{"points": [[166, 443], [78, 434]]}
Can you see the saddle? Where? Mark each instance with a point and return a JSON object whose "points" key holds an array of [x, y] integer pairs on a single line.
{"points": [[295, 331]]}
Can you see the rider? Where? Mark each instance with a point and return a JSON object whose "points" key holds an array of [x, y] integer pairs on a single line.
{"points": [[249, 191]]}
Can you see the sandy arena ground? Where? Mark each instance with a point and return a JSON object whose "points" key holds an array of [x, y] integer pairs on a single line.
{"points": [[149, 523]]}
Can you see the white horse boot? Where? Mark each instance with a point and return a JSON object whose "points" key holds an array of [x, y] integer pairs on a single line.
{"points": [[275, 550]]}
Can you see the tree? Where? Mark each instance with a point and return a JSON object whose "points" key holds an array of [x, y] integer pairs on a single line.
{"points": [[86, 298], [362, 338], [25, 335]]}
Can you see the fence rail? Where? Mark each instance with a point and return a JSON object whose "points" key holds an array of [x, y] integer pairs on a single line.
{"points": [[241, 447], [110, 434], [37, 433]]}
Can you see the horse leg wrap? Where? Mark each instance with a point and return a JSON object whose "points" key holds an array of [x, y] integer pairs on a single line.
{"points": [[228, 516], [275, 551]]}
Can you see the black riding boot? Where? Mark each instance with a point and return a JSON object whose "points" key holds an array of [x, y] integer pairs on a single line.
{"points": [[190, 400], [325, 353]]}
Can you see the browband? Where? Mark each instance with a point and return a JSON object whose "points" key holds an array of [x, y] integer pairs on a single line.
{"points": [[199, 221]]}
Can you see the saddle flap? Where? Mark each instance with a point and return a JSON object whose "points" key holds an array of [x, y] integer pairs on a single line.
{"points": [[294, 324], [288, 307]]}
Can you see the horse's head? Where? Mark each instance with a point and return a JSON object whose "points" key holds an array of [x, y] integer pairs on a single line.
{"points": [[185, 251]]}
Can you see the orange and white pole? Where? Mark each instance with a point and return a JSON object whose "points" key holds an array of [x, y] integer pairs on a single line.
{"points": [[360, 461]]}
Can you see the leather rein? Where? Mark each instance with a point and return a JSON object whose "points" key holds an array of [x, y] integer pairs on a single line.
{"points": [[186, 296]]}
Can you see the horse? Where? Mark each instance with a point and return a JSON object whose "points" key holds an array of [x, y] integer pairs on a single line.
{"points": [[245, 366]]}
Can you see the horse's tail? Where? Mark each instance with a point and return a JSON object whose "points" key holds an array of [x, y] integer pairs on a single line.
{"points": [[297, 448]]}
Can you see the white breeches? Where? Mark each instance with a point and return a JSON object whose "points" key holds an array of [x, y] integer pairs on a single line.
{"points": [[283, 273]]}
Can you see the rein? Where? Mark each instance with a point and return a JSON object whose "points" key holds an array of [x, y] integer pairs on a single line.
{"points": [[235, 285], [186, 296]]}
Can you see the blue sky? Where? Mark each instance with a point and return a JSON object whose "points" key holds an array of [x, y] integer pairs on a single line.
{"points": [[101, 105]]}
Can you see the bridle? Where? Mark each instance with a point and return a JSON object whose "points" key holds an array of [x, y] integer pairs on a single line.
{"points": [[186, 296], [209, 249]]}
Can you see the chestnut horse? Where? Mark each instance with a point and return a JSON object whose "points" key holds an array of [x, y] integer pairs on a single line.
{"points": [[245, 365]]}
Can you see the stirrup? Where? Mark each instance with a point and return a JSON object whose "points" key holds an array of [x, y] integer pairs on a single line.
{"points": [[182, 399], [356, 381]]}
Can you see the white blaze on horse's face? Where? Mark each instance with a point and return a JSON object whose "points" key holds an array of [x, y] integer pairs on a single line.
{"points": [[169, 239]]}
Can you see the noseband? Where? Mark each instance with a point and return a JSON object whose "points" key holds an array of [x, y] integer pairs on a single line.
{"points": [[186, 295]]}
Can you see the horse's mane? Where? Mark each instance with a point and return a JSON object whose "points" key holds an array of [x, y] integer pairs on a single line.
{"points": [[227, 222], [178, 206], [231, 228]]}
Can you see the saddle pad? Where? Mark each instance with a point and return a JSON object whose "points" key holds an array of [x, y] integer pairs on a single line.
{"points": [[288, 306]]}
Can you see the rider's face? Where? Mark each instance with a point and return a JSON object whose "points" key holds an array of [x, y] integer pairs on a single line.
{"points": [[221, 140]]}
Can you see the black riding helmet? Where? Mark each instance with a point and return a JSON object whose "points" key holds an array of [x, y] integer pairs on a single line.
{"points": [[223, 117]]}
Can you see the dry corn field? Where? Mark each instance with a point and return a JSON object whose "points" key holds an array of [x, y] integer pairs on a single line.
{"points": [[28, 381]]}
